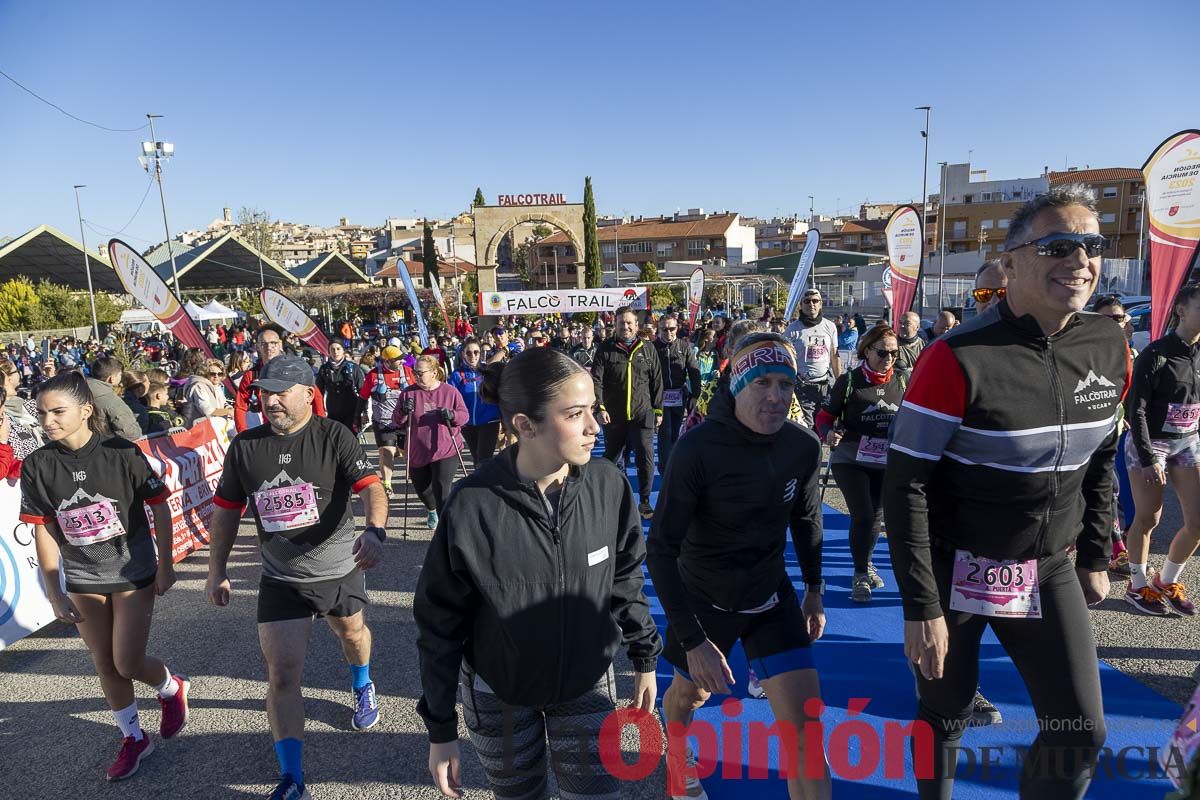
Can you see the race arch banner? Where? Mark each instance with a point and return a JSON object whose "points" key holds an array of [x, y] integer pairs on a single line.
{"points": [[695, 295], [1172, 176], [563, 301], [905, 245], [291, 317]]}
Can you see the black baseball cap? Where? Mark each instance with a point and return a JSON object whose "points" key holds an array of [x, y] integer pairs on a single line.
{"points": [[283, 372]]}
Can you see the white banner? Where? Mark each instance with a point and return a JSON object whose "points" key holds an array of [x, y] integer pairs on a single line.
{"points": [[415, 302], [803, 268], [562, 301], [23, 604]]}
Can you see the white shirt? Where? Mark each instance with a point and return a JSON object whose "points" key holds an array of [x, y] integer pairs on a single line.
{"points": [[814, 347]]}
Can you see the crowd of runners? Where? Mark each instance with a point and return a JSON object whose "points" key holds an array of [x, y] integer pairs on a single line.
{"points": [[990, 452]]}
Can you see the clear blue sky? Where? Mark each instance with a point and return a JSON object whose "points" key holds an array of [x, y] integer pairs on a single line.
{"points": [[372, 109]]}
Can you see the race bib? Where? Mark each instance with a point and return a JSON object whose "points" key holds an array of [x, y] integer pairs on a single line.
{"points": [[816, 352], [98, 522], [872, 450], [1182, 418], [286, 508], [673, 398], [1007, 589]]}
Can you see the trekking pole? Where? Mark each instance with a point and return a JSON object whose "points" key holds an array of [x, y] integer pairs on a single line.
{"points": [[457, 449], [828, 469], [407, 451]]}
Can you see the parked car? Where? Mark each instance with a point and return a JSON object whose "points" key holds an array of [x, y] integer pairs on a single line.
{"points": [[1139, 318]]}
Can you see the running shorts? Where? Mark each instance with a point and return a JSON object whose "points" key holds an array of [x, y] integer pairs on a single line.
{"points": [[1183, 452], [776, 640], [388, 437], [280, 600]]}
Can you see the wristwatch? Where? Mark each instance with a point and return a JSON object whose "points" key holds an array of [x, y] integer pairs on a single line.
{"points": [[815, 588], [380, 532]]}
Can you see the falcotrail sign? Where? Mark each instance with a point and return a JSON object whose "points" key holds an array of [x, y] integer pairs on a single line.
{"points": [[562, 301]]}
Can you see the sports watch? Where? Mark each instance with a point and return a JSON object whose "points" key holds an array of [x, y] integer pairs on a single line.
{"points": [[815, 588], [375, 529]]}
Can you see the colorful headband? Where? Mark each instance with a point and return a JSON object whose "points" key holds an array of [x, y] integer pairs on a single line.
{"points": [[760, 358]]}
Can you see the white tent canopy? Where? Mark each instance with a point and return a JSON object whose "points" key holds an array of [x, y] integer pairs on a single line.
{"points": [[218, 311], [194, 311]]}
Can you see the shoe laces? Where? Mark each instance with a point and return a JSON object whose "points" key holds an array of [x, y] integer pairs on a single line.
{"points": [[1175, 591], [365, 697], [1149, 593]]}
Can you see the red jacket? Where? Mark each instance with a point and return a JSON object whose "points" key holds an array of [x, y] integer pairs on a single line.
{"points": [[246, 394]]}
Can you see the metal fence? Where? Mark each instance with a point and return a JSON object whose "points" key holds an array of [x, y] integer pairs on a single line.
{"points": [[8, 337]]}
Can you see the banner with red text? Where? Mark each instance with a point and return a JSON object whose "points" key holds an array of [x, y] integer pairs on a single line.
{"points": [[563, 301], [905, 245], [190, 463], [24, 607], [695, 295], [1173, 207], [291, 317]]}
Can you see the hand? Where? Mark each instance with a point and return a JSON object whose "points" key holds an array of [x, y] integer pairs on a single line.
{"points": [[925, 645], [64, 609], [217, 589], [645, 691], [443, 766], [813, 608], [658, 420], [164, 579], [605, 417], [709, 669], [408, 405], [368, 551], [833, 438], [1095, 585], [447, 416], [1153, 475]]}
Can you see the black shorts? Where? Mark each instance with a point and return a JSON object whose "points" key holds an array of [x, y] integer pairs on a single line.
{"points": [[776, 641], [344, 597], [388, 437]]}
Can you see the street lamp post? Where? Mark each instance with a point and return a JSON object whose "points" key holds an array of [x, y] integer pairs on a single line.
{"points": [[87, 263], [556, 268], [924, 187], [157, 151], [942, 233], [812, 215]]}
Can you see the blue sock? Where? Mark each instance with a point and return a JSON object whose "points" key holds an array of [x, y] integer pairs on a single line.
{"points": [[290, 753], [360, 676]]}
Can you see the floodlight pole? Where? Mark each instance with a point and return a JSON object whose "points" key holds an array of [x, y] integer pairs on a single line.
{"points": [[163, 201], [87, 263]]}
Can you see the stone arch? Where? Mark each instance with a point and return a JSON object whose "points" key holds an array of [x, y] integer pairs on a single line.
{"points": [[518, 219], [493, 223]]}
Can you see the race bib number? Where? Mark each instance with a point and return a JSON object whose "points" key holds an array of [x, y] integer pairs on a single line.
{"points": [[872, 450], [1007, 589], [673, 398], [1182, 418], [286, 508], [1184, 743], [98, 522], [816, 352]]}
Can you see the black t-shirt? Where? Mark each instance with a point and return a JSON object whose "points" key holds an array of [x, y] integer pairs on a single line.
{"points": [[91, 501], [299, 484]]}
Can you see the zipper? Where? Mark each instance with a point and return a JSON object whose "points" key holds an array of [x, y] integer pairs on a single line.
{"points": [[1051, 369]]}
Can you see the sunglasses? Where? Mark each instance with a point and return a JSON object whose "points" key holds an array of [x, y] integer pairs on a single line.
{"points": [[670, 328], [1120, 319], [985, 295], [1061, 245], [811, 300], [892, 354]]}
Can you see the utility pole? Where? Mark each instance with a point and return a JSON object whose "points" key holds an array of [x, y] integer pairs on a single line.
{"points": [[87, 263], [157, 151], [924, 195], [942, 234]]}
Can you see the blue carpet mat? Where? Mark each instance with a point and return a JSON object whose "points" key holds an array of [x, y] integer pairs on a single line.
{"points": [[861, 656]]}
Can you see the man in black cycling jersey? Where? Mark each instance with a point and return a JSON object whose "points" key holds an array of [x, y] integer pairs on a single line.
{"points": [[1001, 459]]}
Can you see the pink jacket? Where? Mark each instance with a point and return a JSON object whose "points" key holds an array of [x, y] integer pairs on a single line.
{"points": [[430, 440]]}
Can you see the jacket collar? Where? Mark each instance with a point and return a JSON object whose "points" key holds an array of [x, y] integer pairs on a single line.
{"points": [[1028, 327], [505, 465]]}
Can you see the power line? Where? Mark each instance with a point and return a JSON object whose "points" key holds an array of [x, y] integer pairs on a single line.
{"points": [[97, 229], [59, 108], [145, 194]]}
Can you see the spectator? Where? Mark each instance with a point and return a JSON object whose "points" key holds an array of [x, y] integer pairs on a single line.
{"points": [[848, 337], [134, 386], [24, 434], [202, 394], [944, 322], [104, 383]]}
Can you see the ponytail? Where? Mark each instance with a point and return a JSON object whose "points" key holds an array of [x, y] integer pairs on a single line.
{"points": [[75, 386]]}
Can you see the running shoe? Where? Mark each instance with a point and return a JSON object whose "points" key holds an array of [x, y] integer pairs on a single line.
{"points": [[174, 709], [983, 713], [694, 789], [860, 589], [1148, 601], [130, 757], [754, 688], [431, 520], [1120, 565], [645, 509], [366, 708], [1176, 596], [288, 789], [876, 581]]}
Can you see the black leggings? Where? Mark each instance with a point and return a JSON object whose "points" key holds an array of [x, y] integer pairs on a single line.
{"points": [[433, 482], [1056, 656], [638, 441], [861, 489], [481, 440]]}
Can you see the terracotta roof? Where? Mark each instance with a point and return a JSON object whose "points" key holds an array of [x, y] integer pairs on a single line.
{"points": [[656, 228], [416, 267], [1095, 175], [865, 226]]}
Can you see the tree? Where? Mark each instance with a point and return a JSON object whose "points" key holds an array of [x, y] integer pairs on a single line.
{"points": [[520, 261], [541, 231], [429, 256], [256, 229], [17, 299], [660, 296], [591, 245], [478, 201]]}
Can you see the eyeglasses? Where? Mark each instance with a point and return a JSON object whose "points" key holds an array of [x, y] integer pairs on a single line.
{"points": [[892, 354], [215, 372], [670, 328], [814, 300], [1120, 319], [1061, 245], [985, 295], [470, 352]]}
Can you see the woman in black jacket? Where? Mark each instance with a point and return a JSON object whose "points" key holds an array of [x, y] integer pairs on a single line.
{"points": [[532, 580]]}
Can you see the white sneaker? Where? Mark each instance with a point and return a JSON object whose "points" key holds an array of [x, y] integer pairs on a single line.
{"points": [[754, 688], [694, 789]]}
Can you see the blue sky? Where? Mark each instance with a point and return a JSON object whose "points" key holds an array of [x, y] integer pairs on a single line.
{"points": [[372, 109]]}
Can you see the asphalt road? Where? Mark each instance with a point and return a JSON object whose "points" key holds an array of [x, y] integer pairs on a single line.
{"points": [[57, 736]]}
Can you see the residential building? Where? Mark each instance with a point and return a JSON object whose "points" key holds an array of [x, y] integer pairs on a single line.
{"points": [[778, 235], [448, 271], [858, 236], [1119, 193], [977, 210]]}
